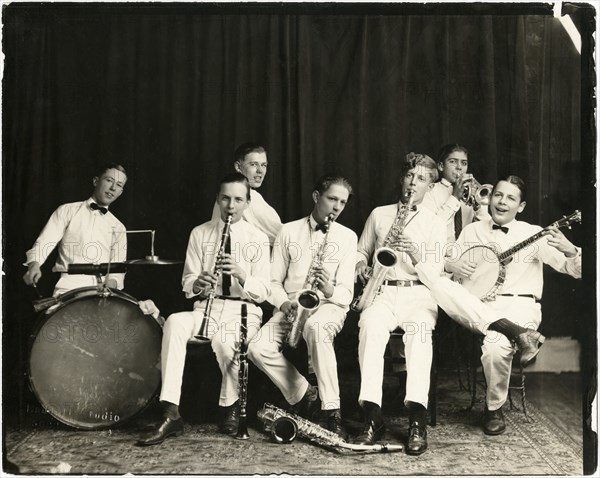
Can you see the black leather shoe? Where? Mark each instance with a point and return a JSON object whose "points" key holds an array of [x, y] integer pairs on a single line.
{"points": [[372, 432], [529, 344], [310, 403], [334, 423], [417, 438], [493, 422], [168, 427], [231, 419]]}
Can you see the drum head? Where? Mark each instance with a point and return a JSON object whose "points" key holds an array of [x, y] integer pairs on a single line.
{"points": [[95, 361]]}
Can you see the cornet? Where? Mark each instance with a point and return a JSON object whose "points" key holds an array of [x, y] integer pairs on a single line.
{"points": [[475, 193]]}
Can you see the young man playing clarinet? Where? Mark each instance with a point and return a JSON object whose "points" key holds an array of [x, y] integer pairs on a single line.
{"points": [[250, 159], [318, 253], [244, 278], [403, 302], [510, 317]]}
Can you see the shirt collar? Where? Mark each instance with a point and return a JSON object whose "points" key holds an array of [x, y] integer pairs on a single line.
{"points": [[446, 183]]}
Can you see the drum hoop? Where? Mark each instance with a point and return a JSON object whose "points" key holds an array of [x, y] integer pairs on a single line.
{"points": [[73, 296]]}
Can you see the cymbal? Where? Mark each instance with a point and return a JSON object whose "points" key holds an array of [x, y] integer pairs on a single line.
{"points": [[153, 261]]}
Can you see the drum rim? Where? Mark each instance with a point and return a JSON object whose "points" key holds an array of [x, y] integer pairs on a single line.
{"points": [[70, 297]]}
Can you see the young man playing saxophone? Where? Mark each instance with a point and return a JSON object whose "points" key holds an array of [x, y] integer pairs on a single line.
{"points": [[245, 276], [403, 302], [303, 254]]}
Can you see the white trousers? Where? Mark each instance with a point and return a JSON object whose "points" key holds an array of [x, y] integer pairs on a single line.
{"points": [[469, 311], [224, 330], [319, 331], [414, 311]]}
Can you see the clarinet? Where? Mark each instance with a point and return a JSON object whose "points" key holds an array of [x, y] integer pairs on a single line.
{"points": [[242, 432], [203, 334]]}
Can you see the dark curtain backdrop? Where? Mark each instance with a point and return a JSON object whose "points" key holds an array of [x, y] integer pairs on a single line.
{"points": [[171, 90]]}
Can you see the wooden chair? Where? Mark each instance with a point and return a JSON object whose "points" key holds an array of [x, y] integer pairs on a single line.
{"points": [[517, 379]]}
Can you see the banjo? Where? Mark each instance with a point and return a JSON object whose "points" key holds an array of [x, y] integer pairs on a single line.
{"points": [[490, 272]]}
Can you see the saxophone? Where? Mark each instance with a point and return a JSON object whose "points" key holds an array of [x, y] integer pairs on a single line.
{"points": [[203, 334], [285, 427], [384, 259], [307, 297]]}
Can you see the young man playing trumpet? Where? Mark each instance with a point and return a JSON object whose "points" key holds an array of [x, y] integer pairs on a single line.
{"points": [[403, 302], [509, 318], [245, 274], [319, 251], [447, 198]]}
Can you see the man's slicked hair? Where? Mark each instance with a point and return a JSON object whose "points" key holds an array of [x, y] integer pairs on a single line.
{"points": [[245, 149], [517, 181], [235, 178]]}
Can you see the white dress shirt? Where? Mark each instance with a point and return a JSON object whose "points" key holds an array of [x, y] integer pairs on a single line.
{"points": [[85, 236], [424, 228], [249, 248], [524, 275], [441, 202], [296, 245], [260, 214]]}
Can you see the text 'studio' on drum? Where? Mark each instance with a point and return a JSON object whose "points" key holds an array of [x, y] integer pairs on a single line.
{"points": [[95, 359]]}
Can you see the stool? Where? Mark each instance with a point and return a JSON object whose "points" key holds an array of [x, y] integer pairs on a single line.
{"points": [[397, 360]]}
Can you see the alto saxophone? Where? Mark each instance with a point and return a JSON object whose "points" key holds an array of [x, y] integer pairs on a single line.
{"points": [[203, 333], [384, 259], [284, 427], [307, 298]]}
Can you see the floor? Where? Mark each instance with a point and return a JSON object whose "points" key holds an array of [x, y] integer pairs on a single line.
{"points": [[457, 445]]}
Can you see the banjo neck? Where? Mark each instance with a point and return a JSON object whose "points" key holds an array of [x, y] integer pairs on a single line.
{"points": [[566, 221], [506, 255]]}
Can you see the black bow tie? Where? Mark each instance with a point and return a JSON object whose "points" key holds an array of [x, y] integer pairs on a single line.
{"points": [[321, 227], [95, 207], [504, 229]]}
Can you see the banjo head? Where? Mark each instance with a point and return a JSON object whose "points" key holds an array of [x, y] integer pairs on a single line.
{"points": [[488, 275]]}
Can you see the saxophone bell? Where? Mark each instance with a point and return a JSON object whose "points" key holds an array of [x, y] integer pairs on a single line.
{"points": [[308, 299], [284, 430]]}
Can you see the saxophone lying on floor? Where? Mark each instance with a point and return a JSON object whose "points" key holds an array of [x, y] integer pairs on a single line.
{"points": [[285, 427]]}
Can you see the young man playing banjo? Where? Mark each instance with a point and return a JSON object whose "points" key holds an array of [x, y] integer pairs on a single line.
{"points": [[509, 310]]}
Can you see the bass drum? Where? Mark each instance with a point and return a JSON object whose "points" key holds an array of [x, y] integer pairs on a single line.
{"points": [[95, 360]]}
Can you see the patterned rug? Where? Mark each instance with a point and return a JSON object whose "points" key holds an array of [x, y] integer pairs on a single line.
{"points": [[457, 446]]}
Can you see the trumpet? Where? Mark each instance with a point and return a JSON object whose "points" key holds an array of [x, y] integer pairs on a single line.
{"points": [[307, 298], [203, 334], [474, 193]]}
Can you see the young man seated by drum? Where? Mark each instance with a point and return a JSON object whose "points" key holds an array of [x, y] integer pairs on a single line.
{"points": [[511, 313], [86, 232], [241, 275]]}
